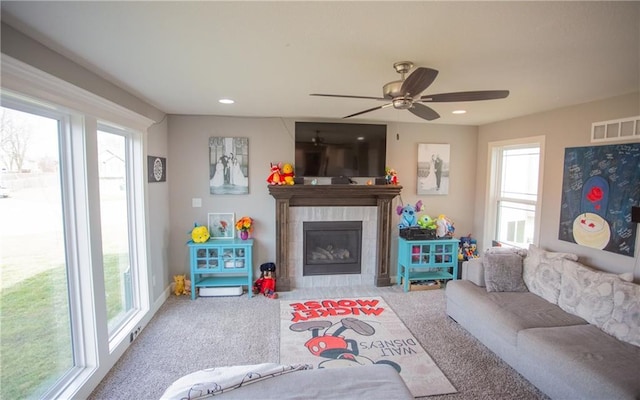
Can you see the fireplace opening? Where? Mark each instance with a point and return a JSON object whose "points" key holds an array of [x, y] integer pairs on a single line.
{"points": [[331, 247]]}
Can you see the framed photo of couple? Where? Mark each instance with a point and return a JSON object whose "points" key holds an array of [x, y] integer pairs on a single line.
{"points": [[228, 165], [433, 168]]}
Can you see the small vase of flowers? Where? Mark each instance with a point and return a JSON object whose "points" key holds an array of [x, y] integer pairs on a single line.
{"points": [[244, 227]]}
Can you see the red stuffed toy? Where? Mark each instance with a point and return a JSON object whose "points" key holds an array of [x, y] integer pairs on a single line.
{"points": [[266, 284], [275, 177]]}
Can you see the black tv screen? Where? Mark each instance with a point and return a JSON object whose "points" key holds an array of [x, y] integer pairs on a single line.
{"points": [[326, 149]]}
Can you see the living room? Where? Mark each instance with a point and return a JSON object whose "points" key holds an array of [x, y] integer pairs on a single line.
{"points": [[183, 137]]}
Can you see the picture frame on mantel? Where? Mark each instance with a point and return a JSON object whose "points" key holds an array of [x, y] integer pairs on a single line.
{"points": [[433, 168], [228, 165]]}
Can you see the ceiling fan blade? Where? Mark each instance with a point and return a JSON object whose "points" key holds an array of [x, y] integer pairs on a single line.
{"points": [[424, 112], [348, 96], [418, 81], [369, 110], [465, 96]]}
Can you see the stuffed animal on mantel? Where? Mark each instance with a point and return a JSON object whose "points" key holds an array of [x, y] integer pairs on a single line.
{"points": [[275, 177], [409, 214], [287, 174]]}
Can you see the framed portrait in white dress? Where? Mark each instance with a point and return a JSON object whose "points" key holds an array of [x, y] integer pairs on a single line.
{"points": [[433, 169], [229, 165]]}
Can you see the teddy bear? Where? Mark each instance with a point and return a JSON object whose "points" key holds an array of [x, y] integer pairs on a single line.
{"points": [[180, 285], [287, 174]]}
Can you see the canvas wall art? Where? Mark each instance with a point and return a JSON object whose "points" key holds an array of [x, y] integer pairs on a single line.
{"points": [[600, 185], [229, 165], [433, 169]]}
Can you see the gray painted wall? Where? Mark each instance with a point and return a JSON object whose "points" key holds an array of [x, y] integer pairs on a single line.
{"points": [[272, 140], [566, 127]]}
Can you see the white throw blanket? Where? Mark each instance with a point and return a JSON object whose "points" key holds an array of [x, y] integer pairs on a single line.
{"points": [[215, 381]]}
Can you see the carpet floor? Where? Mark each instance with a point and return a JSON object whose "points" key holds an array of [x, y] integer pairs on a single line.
{"points": [[186, 336]]}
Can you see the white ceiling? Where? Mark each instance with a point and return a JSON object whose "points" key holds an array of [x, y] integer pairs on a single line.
{"points": [[182, 57]]}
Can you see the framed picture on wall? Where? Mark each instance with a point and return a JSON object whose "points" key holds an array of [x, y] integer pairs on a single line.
{"points": [[433, 168], [229, 165], [156, 169], [221, 225], [600, 185]]}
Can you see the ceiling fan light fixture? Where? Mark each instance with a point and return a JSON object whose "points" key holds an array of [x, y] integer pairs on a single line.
{"points": [[402, 103], [226, 101], [459, 112], [404, 94]]}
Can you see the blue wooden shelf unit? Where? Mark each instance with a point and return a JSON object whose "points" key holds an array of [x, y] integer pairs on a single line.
{"points": [[221, 263], [421, 260]]}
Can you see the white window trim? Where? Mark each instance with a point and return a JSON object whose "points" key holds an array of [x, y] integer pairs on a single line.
{"points": [[492, 186], [96, 357]]}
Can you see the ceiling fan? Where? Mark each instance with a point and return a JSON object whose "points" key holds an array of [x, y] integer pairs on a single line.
{"points": [[404, 94]]}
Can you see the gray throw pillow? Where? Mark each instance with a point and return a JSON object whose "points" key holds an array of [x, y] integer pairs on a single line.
{"points": [[503, 273]]}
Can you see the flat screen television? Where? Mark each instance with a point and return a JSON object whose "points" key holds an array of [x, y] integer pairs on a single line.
{"points": [[325, 149]]}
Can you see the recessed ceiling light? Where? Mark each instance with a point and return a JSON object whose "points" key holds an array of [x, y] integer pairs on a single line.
{"points": [[226, 101], [360, 137], [459, 112]]}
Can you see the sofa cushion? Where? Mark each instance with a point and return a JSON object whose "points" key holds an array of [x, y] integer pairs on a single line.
{"points": [[624, 323], [579, 361], [502, 312], [503, 272], [586, 293], [542, 272]]}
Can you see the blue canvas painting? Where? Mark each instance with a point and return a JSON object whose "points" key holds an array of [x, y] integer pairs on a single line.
{"points": [[600, 185]]}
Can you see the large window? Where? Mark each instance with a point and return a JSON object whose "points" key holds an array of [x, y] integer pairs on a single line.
{"points": [[114, 217], [36, 347], [72, 237], [514, 191]]}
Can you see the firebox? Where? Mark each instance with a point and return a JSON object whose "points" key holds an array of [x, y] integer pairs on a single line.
{"points": [[331, 247]]}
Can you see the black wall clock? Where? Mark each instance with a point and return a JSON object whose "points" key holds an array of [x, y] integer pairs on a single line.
{"points": [[156, 169]]}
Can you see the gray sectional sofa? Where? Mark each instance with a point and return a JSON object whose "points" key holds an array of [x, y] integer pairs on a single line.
{"points": [[571, 331]]}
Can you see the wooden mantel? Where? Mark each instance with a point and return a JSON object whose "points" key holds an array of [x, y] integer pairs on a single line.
{"points": [[379, 196]]}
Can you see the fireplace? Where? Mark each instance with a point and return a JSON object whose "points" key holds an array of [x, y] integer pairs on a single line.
{"points": [[332, 247], [334, 201]]}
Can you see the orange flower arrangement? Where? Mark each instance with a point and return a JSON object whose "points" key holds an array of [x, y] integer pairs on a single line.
{"points": [[245, 224]]}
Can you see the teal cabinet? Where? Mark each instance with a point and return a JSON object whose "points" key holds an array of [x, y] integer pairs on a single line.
{"points": [[420, 260], [221, 263]]}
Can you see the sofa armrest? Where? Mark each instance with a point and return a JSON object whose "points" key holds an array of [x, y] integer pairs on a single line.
{"points": [[473, 270]]}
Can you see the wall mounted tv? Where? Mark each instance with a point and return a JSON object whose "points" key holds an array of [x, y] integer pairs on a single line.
{"points": [[326, 149]]}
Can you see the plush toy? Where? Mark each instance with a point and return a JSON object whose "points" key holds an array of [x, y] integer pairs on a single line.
{"points": [[274, 177], [180, 285], [444, 226], [409, 214], [266, 284], [391, 176], [426, 222], [199, 234], [287, 174], [187, 287]]}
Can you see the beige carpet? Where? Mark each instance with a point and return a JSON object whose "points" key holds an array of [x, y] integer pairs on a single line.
{"points": [[349, 332]]}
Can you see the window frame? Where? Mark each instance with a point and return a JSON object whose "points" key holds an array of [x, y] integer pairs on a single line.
{"points": [[494, 184], [95, 352]]}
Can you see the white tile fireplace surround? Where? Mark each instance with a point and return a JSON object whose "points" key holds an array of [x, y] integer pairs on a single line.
{"points": [[369, 218]]}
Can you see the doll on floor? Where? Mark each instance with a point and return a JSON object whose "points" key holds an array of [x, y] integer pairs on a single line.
{"points": [[266, 284]]}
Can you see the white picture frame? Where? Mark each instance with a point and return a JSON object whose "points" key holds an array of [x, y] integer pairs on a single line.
{"points": [[221, 225], [433, 168]]}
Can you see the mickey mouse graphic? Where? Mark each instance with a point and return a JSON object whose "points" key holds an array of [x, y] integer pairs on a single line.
{"points": [[338, 351]]}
